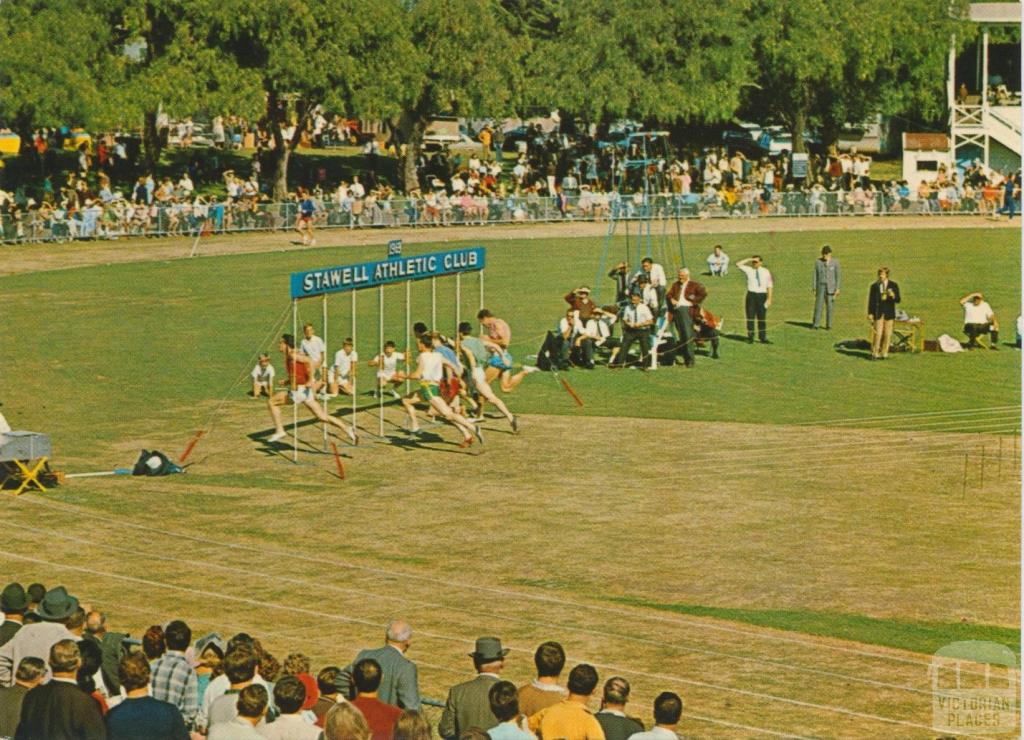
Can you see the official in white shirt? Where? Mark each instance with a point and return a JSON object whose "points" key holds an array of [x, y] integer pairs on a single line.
{"points": [[718, 262], [979, 319], [759, 296], [637, 321]]}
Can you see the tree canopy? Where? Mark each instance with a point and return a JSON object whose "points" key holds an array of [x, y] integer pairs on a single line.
{"points": [[802, 62]]}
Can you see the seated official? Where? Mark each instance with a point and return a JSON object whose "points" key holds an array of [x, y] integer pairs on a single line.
{"points": [[648, 293], [637, 322], [262, 377], [718, 262], [581, 302], [568, 329], [601, 330], [979, 319], [706, 328]]}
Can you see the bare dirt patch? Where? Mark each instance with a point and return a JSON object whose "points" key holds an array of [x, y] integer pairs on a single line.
{"points": [[42, 257], [553, 523]]}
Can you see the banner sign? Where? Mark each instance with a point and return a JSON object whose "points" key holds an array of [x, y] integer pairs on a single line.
{"points": [[394, 270], [799, 165]]}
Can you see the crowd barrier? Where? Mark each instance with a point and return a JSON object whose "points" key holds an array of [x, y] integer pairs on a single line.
{"points": [[122, 219]]}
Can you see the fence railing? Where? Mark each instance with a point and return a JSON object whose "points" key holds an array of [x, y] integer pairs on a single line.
{"points": [[122, 219]]}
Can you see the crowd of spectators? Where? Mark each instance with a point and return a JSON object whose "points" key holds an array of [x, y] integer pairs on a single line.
{"points": [[64, 673], [546, 177]]}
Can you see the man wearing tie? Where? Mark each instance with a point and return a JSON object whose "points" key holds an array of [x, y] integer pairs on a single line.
{"points": [[826, 286], [759, 296], [681, 297], [637, 321], [882, 299]]}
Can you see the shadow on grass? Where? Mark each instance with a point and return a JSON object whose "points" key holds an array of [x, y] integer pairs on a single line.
{"points": [[918, 637], [858, 348], [801, 324]]}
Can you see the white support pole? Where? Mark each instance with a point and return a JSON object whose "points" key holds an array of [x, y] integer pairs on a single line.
{"points": [[380, 358], [290, 366], [951, 81], [408, 331], [433, 304], [324, 368], [984, 72], [480, 307], [352, 371], [458, 303]]}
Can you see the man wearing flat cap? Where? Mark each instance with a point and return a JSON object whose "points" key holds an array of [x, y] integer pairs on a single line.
{"points": [[469, 703], [35, 640], [13, 603]]}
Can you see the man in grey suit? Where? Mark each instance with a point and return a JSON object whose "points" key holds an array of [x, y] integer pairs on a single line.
{"points": [[469, 703], [399, 685], [827, 278]]}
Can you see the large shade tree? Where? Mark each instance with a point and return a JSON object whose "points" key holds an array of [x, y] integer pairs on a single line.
{"points": [[345, 55], [464, 60], [826, 63], [47, 77], [658, 60]]}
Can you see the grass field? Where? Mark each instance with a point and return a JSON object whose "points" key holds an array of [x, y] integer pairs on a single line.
{"points": [[784, 536]]}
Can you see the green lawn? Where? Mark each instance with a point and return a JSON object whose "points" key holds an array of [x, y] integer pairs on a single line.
{"points": [[93, 347]]}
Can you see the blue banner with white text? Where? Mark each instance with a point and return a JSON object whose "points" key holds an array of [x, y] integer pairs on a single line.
{"points": [[394, 270]]}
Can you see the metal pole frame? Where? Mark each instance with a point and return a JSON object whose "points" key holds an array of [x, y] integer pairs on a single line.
{"points": [[380, 359], [293, 384], [352, 371], [325, 369], [433, 304], [408, 333]]}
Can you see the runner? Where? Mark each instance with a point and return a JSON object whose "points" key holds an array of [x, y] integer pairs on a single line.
{"points": [[430, 367], [301, 389], [477, 354], [497, 334], [307, 210]]}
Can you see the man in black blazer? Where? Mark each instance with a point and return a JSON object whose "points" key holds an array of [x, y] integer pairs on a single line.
{"points": [[60, 710], [883, 296]]}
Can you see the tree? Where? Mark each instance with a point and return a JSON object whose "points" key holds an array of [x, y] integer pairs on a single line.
{"points": [[832, 63], [463, 60], [159, 59], [342, 54], [653, 59], [46, 77]]}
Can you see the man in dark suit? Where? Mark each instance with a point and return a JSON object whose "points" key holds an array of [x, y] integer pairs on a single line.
{"points": [[60, 710], [13, 603], [469, 703], [399, 684], [30, 673], [883, 296], [682, 296]]}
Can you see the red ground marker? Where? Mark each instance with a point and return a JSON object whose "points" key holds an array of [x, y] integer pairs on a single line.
{"points": [[192, 444], [337, 459], [568, 388]]}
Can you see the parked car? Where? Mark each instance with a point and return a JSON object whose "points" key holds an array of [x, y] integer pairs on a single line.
{"points": [[442, 131]]}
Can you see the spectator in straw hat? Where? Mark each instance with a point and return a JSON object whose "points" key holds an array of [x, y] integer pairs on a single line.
{"points": [[56, 610], [468, 703]]}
